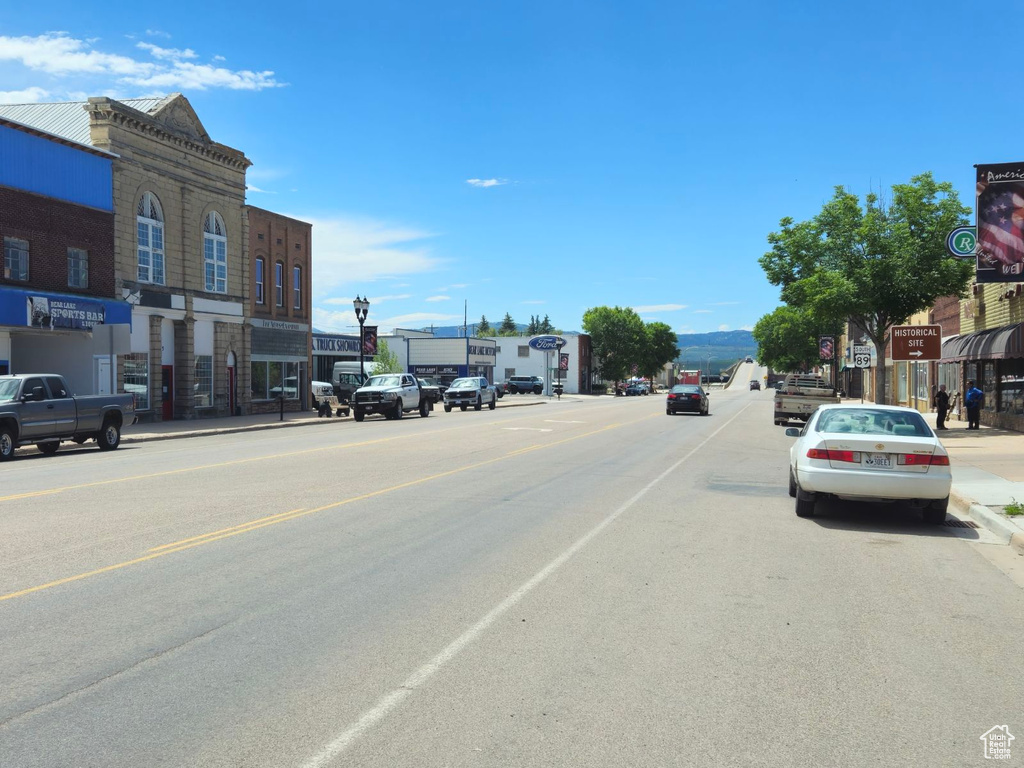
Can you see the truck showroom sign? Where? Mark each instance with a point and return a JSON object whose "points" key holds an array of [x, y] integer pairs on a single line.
{"points": [[916, 342], [547, 343]]}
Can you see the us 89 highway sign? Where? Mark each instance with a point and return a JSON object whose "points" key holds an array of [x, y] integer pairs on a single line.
{"points": [[861, 357]]}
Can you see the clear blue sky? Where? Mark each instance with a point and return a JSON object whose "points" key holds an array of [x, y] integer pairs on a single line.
{"points": [[630, 153]]}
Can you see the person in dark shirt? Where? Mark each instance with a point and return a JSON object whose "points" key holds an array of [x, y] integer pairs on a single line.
{"points": [[941, 406], [972, 399]]}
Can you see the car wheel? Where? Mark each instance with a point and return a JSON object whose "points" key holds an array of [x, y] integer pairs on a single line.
{"points": [[514, 390], [447, 409], [398, 409], [479, 404], [48, 448], [537, 390], [668, 412], [463, 407], [493, 404], [6, 443], [935, 513], [358, 415], [424, 408], [109, 437], [804, 504], [792, 484]]}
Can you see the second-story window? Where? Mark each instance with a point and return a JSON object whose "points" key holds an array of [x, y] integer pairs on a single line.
{"points": [[78, 268], [279, 282], [149, 218], [215, 253], [15, 259], [297, 286], [259, 281]]}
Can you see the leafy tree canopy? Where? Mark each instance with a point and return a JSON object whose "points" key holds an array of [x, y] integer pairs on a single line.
{"points": [[875, 264], [620, 340], [787, 339], [659, 347], [386, 360]]}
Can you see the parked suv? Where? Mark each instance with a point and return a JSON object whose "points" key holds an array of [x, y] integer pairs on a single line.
{"points": [[524, 384]]}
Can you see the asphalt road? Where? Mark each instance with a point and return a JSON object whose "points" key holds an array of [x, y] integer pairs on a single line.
{"points": [[575, 584]]}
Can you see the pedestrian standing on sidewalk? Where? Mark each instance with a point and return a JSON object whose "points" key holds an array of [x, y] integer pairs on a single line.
{"points": [[972, 399], [941, 406]]}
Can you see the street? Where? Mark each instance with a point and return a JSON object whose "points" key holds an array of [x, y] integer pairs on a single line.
{"points": [[582, 583]]}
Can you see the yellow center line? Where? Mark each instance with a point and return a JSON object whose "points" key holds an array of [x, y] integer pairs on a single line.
{"points": [[224, 533]]}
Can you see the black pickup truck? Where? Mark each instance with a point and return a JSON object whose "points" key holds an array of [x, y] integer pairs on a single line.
{"points": [[39, 408]]}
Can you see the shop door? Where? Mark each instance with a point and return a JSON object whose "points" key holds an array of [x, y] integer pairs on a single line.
{"points": [[167, 391], [102, 369], [231, 390]]}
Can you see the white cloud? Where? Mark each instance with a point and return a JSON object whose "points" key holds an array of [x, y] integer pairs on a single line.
{"points": [[534, 301], [337, 321], [703, 311], [26, 96], [401, 285], [416, 319], [746, 328], [660, 308], [724, 303], [350, 251], [253, 188], [157, 33], [174, 54], [723, 327], [346, 301], [438, 298], [460, 285], [486, 182], [57, 53], [219, 58]]}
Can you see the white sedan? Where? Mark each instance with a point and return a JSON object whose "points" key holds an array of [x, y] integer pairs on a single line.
{"points": [[869, 453]]}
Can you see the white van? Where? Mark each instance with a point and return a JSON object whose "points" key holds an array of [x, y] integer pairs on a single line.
{"points": [[346, 378]]}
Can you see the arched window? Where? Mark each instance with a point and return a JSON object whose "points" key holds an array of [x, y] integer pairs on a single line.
{"points": [[149, 217], [215, 253]]}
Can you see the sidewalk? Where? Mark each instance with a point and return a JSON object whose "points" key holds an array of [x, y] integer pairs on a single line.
{"points": [[171, 430], [988, 474]]}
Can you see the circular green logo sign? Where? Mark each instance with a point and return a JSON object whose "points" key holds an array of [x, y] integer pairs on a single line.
{"points": [[961, 242]]}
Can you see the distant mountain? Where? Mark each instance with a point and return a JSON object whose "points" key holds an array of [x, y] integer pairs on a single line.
{"points": [[454, 331], [723, 347]]}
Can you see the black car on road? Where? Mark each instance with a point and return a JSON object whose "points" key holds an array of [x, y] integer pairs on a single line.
{"points": [[687, 398]]}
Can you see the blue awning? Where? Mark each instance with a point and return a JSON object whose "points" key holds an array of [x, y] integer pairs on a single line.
{"points": [[28, 308]]}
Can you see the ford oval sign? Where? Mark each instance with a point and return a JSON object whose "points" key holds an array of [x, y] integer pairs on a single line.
{"points": [[547, 343]]}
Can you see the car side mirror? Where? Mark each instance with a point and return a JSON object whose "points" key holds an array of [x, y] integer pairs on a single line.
{"points": [[792, 432]]}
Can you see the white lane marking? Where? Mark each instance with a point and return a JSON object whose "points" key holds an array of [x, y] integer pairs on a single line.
{"points": [[391, 700], [557, 421], [526, 429]]}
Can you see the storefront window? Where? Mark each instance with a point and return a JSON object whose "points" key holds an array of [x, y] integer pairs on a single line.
{"points": [[988, 386], [901, 374], [258, 388], [274, 378], [1011, 386], [921, 382], [204, 381], [136, 379]]}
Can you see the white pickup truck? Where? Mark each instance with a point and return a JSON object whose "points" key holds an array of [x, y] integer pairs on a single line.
{"points": [[800, 395], [390, 394]]}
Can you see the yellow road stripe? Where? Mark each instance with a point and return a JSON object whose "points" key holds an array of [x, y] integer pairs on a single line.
{"points": [[198, 541]]}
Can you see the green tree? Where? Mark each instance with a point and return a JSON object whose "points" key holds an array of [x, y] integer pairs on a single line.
{"points": [[616, 337], [531, 328], [787, 339], [484, 328], [508, 326], [545, 326], [386, 361], [876, 264], [659, 346]]}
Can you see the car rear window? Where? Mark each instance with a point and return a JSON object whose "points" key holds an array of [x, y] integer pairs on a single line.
{"points": [[686, 388], [873, 421]]}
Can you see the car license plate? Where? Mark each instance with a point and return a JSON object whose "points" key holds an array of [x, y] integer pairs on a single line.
{"points": [[878, 460]]}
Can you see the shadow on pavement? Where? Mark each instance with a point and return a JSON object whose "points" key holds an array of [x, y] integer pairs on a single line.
{"points": [[896, 518]]}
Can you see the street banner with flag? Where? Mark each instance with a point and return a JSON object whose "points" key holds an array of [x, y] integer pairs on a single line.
{"points": [[1000, 210], [826, 347], [563, 361], [370, 340]]}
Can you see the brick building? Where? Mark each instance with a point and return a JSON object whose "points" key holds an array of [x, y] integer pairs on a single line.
{"points": [[280, 261], [56, 289], [180, 248]]}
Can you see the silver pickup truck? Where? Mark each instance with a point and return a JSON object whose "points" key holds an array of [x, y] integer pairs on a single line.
{"points": [[39, 408]]}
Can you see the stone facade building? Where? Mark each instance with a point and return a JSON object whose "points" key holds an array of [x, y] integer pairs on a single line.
{"points": [[180, 249]]}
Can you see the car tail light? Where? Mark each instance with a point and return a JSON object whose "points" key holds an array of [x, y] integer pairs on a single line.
{"points": [[851, 457], [920, 460], [695, 397], [671, 397]]}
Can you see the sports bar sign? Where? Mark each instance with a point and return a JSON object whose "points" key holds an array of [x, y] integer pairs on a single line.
{"points": [[916, 342]]}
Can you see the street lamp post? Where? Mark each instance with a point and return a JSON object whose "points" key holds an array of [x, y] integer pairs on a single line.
{"points": [[362, 307]]}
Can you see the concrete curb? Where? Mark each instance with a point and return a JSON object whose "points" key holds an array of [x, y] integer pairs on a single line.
{"points": [[155, 436], [1006, 531]]}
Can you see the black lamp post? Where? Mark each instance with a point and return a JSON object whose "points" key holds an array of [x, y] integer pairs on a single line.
{"points": [[361, 306]]}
